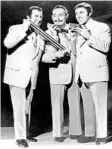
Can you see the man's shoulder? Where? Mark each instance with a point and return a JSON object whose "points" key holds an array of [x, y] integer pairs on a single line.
{"points": [[15, 27], [100, 25]]}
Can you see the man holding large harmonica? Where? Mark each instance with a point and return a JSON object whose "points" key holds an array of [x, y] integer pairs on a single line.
{"points": [[92, 46], [61, 73], [24, 52]]}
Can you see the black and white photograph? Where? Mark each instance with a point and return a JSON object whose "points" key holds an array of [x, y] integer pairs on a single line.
{"points": [[56, 74]]}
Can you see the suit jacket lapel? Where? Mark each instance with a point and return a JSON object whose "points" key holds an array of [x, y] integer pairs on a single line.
{"points": [[80, 41]]}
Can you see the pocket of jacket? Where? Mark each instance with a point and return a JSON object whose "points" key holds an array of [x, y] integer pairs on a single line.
{"points": [[13, 68], [102, 65]]}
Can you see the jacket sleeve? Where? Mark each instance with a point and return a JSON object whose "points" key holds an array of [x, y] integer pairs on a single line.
{"points": [[34, 77], [101, 40], [35, 62], [47, 56], [14, 36]]}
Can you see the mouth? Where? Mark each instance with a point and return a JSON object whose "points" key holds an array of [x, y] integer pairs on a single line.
{"points": [[38, 22], [80, 20], [58, 21]]}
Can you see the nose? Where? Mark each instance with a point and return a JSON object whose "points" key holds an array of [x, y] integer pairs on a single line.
{"points": [[57, 18], [39, 19], [78, 16]]}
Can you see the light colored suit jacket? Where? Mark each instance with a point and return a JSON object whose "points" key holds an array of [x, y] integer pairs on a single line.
{"points": [[20, 64], [62, 72], [91, 63]]}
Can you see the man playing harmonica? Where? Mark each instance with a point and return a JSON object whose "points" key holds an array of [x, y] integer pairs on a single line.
{"points": [[24, 52], [92, 46], [61, 71]]}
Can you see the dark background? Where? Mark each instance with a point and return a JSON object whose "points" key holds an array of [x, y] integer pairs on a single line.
{"points": [[13, 12]]}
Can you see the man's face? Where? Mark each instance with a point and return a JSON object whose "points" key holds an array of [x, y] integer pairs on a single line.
{"points": [[82, 15], [59, 16], [36, 17]]}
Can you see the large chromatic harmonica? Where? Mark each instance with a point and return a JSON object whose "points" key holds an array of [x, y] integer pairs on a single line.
{"points": [[70, 26], [47, 36]]}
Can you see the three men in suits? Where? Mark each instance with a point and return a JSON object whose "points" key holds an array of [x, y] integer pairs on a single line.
{"points": [[25, 48], [61, 73], [24, 53], [93, 41]]}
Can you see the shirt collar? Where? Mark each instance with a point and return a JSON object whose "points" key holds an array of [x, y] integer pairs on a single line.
{"points": [[89, 23]]}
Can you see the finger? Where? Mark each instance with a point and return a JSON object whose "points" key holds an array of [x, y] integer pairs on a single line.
{"points": [[28, 17], [77, 30], [83, 27], [74, 30]]}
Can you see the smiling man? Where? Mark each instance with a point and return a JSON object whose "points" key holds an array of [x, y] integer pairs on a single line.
{"points": [[61, 73], [92, 46], [24, 50]]}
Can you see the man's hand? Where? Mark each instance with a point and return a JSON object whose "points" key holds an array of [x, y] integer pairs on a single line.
{"points": [[58, 54], [83, 31], [26, 24]]}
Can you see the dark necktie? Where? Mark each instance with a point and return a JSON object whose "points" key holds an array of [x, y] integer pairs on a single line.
{"points": [[58, 35]]}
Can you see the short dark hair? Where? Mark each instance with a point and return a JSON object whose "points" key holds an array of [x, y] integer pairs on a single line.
{"points": [[29, 12], [87, 6]]}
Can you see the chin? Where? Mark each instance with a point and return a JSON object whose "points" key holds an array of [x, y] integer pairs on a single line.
{"points": [[81, 23], [59, 23]]}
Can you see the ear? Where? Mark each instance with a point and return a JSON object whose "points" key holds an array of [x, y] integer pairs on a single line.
{"points": [[52, 17], [27, 17], [90, 14], [67, 15]]}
